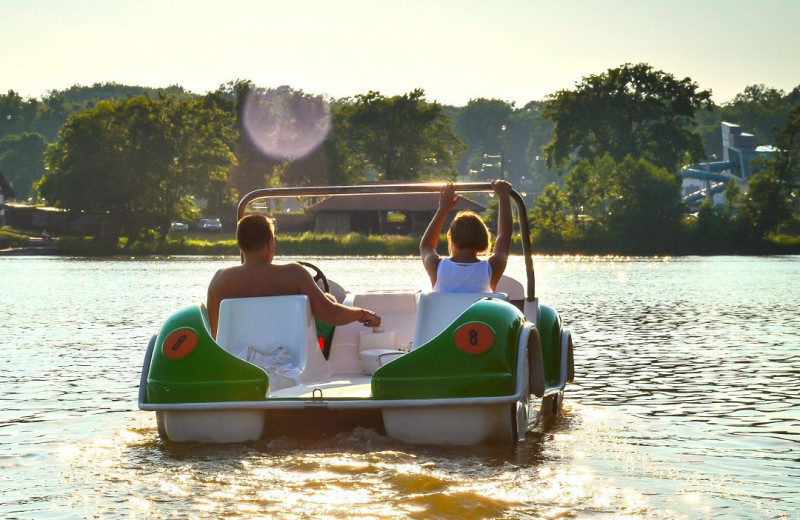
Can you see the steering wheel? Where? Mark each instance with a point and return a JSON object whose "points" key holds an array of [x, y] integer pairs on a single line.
{"points": [[318, 275]]}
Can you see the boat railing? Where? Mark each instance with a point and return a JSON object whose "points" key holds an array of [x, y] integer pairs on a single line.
{"points": [[428, 187]]}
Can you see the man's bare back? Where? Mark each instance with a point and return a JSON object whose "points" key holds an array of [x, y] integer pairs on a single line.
{"points": [[258, 276]]}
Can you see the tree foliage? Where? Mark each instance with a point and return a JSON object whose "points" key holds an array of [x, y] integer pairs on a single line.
{"points": [[481, 126], [16, 114], [495, 128], [401, 138], [633, 204], [759, 110], [22, 160], [548, 218], [282, 137], [771, 198], [630, 110], [140, 160], [648, 210]]}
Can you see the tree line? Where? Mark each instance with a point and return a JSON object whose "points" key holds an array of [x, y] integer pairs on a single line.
{"points": [[599, 159]]}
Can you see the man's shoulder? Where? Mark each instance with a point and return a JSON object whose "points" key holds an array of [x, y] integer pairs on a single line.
{"points": [[223, 276], [225, 272], [289, 269]]}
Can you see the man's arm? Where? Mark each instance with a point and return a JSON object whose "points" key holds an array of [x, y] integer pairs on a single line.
{"points": [[326, 310], [212, 302]]}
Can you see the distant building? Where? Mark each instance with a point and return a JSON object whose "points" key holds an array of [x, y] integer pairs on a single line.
{"points": [[710, 179], [370, 213], [91, 225], [23, 216]]}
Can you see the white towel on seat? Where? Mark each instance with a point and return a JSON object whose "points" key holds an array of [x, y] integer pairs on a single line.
{"points": [[277, 362]]}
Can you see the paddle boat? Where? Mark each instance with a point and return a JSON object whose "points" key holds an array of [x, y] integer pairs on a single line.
{"points": [[460, 369]]}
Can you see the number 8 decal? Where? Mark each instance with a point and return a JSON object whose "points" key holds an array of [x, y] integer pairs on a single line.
{"points": [[474, 337], [180, 343]]}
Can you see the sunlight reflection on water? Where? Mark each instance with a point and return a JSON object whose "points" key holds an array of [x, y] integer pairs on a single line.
{"points": [[685, 403]]}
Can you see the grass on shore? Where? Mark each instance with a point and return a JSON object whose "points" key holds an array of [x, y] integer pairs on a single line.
{"points": [[352, 244], [305, 244], [12, 237]]}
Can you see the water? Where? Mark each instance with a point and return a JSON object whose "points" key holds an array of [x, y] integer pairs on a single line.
{"points": [[686, 403]]}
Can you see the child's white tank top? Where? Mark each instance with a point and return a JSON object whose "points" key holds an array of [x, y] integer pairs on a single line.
{"points": [[455, 277]]}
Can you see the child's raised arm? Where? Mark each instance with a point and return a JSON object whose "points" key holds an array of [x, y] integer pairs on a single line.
{"points": [[427, 246], [505, 227]]}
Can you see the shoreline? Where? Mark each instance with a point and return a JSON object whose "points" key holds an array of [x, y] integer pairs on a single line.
{"points": [[31, 251], [52, 252], [368, 246]]}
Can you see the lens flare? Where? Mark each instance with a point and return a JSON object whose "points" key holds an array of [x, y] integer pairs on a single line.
{"points": [[286, 124]]}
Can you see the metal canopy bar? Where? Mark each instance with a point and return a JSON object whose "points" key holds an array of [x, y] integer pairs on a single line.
{"points": [[428, 187]]}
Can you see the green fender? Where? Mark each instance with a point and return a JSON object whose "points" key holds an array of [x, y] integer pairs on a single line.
{"points": [[549, 328], [475, 356], [188, 366]]}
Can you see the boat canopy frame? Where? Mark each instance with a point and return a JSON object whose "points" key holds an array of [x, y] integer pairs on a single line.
{"points": [[427, 187]]}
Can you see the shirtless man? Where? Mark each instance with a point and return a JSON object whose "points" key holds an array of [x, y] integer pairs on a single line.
{"points": [[258, 276]]}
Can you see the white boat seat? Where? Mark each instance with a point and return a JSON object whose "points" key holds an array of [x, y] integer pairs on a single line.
{"points": [[513, 288], [372, 359], [270, 322], [436, 311], [398, 312], [334, 289]]}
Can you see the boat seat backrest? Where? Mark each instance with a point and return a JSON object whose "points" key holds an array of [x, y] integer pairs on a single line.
{"points": [[398, 312], [511, 287], [435, 311], [268, 322]]}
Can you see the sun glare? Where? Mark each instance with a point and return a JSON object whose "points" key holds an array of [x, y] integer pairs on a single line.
{"points": [[286, 124]]}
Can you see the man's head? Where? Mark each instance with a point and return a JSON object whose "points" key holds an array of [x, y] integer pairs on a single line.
{"points": [[467, 231], [253, 232]]}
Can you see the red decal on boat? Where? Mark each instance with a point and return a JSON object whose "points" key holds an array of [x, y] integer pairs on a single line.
{"points": [[474, 338], [180, 343]]}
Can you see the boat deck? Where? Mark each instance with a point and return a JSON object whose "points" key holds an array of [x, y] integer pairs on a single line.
{"points": [[338, 386]]}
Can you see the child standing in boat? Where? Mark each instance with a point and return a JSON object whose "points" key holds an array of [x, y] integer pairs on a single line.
{"points": [[467, 237]]}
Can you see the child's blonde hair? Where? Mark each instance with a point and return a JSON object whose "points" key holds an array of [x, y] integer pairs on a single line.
{"points": [[468, 231]]}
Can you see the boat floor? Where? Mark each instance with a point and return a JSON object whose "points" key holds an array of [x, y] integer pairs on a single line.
{"points": [[338, 386]]}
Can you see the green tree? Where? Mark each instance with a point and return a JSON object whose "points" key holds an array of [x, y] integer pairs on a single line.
{"points": [[53, 113], [481, 126], [733, 198], [528, 134], [717, 228], [344, 167], [139, 160], [591, 187], [759, 110], [282, 135], [206, 154], [22, 160], [402, 138], [630, 110], [548, 218], [646, 216], [632, 204], [771, 198], [16, 114]]}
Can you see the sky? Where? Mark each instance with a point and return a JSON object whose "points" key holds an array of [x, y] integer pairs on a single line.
{"points": [[456, 50]]}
